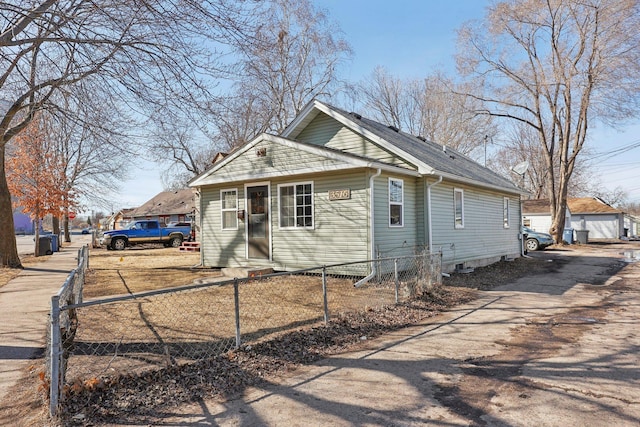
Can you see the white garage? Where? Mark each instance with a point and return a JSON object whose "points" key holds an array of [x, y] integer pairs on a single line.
{"points": [[594, 215]]}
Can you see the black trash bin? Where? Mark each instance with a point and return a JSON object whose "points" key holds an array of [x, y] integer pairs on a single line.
{"points": [[44, 246]]}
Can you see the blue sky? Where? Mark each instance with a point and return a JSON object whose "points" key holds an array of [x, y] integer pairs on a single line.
{"points": [[411, 38]]}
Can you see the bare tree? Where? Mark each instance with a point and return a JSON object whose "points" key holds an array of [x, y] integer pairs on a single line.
{"points": [[556, 66], [142, 53], [522, 145], [91, 144], [427, 107], [293, 57]]}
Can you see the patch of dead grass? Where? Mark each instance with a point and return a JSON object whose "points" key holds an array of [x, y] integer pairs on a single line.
{"points": [[137, 270], [7, 274]]}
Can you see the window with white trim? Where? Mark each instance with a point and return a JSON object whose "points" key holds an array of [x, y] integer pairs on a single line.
{"points": [[295, 202], [229, 209], [505, 212], [396, 202], [458, 207]]}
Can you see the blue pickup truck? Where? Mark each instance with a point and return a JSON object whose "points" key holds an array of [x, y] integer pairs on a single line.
{"points": [[146, 231]]}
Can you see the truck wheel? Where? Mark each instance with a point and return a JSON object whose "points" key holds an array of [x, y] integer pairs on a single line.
{"points": [[176, 242], [119, 244]]}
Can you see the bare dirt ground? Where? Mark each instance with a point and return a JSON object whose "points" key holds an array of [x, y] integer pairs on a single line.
{"points": [[556, 346], [547, 340]]}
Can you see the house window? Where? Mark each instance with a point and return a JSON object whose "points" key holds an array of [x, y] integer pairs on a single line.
{"points": [[229, 208], [396, 202], [296, 205], [505, 212], [458, 207]]}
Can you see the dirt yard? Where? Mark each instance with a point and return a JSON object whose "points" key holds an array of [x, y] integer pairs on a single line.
{"points": [[546, 340], [135, 271]]}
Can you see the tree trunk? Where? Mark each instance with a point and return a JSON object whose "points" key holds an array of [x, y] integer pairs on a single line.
{"points": [[67, 234], [8, 248], [559, 207], [56, 227]]}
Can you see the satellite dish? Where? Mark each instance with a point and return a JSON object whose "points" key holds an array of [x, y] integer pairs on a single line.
{"points": [[521, 168]]}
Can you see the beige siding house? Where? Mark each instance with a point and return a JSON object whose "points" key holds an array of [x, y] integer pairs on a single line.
{"points": [[166, 207], [335, 187]]}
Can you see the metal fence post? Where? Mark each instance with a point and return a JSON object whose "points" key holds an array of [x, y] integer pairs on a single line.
{"points": [[236, 302], [54, 386], [324, 294], [395, 276]]}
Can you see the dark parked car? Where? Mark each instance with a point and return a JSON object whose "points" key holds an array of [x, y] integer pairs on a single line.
{"points": [[87, 230], [536, 240]]}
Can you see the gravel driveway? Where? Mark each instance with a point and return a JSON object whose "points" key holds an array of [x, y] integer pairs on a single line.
{"points": [[550, 349]]}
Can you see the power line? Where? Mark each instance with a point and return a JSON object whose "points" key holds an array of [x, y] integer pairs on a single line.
{"points": [[616, 152], [617, 165]]}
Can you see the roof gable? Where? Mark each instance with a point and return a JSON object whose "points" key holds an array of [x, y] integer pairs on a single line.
{"points": [[430, 158], [269, 156]]}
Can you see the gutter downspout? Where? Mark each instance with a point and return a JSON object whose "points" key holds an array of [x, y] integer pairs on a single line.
{"points": [[430, 243], [372, 228]]}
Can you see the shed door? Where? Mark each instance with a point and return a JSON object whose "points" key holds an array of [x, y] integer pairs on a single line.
{"points": [[258, 222]]}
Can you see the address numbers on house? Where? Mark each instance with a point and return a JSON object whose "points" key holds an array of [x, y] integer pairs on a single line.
{"points": [[340, 194]]}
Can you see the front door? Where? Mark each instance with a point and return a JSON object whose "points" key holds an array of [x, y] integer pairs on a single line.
{"points": [[258, 222]]}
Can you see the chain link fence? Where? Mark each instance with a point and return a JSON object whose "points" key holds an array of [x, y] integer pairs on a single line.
{"points": [[63, 321], [131, 334]]}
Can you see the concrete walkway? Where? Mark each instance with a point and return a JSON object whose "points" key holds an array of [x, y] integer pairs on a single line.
{"points": [[25, 303], [552, 349]]}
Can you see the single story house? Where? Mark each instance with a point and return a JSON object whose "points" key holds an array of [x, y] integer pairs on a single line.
{"points": [[335, 187], [166, 207], [116, 220], [600, 219], [536, 214]]}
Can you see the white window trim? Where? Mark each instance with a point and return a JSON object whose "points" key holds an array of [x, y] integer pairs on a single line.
{"points": [[222, 210], [295, 207], [455, 224], [401, 204], [506, 215]]}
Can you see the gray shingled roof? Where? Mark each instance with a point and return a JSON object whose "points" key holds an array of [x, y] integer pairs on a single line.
{"points": [[449, 162]]}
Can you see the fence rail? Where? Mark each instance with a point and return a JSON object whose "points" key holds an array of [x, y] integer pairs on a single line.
{"points": [[149, 330], [63, 323]]}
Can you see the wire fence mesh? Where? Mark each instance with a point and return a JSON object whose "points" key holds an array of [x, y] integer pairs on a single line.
{"points": [[62, 326], [134, 333]]}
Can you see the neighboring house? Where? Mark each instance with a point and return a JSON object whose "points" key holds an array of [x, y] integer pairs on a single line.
{"points": [[166, 207], [336, 187], [22, 222], [536, 214], [600, 219], [631, 225], [117, 220]]}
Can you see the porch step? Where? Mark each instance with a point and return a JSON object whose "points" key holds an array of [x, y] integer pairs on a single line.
{"points": [[190, 247]]}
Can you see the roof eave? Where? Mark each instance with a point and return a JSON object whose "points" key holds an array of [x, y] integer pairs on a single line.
{"points": [[458, 178]]}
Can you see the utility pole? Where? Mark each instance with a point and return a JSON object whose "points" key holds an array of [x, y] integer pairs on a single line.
{"points": [[485, 150]]}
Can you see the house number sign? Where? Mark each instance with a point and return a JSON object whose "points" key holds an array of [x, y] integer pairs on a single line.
{"points": [[340, 194]]}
